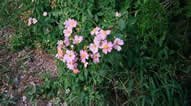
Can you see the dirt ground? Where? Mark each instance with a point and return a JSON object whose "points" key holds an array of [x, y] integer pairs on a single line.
{"points": [[20, 69]]}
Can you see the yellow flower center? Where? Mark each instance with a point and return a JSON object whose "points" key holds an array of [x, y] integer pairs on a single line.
{"points": [[83, 55], [70, 55], [72, 23], [105, 46]]}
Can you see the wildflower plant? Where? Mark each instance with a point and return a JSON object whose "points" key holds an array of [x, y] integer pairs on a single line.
{"points": [[143, 73], [68, 53]]}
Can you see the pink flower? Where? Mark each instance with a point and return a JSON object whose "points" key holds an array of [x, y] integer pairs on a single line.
{"points": [[117, 44], [95, 31], [97, 41], [60, 53], [32, 21], [67, 32], [60, 43], [77, 39], [93, 48], [103, 34], [75, 71], [69, 56], [71, 65], [83, 55], [106, 46], [95, 57], [70, 23], [66, 41]]}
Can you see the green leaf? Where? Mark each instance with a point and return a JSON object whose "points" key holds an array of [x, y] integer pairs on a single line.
{"points": [[122, 24]]}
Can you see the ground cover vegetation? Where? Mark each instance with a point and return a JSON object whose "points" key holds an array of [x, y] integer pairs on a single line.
{"points": [[143, 56]]}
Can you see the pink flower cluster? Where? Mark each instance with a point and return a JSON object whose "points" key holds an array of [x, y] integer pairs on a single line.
{"points": [[66, 50]]}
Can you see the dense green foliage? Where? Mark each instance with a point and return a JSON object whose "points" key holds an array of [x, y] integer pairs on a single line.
{"points": [[153, 67]]}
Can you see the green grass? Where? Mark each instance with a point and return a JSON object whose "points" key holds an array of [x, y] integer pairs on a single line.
{"points": [[146, 72]]}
